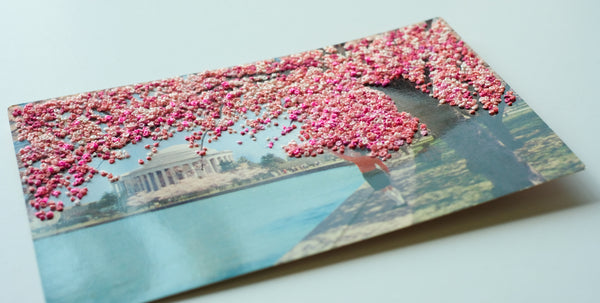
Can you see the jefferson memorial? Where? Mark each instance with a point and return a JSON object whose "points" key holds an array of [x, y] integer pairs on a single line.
{"points": [[169, 166]]}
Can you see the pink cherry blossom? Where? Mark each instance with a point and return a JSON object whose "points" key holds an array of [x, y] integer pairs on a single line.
{"points": [[322, 95]]}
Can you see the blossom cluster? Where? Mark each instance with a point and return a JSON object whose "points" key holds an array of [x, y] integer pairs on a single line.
{"points": [[325, 94]]}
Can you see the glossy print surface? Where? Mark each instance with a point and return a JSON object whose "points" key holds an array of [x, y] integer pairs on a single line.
{"points": [[142, 191]]}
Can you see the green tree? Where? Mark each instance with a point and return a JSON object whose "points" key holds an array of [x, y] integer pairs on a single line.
{"points": [[243, 159], [271, 161], [227, 165], [107, 199]]}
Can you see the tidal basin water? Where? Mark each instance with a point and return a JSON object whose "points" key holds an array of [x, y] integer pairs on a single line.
{"points": [[160, 253]]}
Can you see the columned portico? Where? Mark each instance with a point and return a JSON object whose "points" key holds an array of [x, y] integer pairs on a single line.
{"points": [[171, 166]]}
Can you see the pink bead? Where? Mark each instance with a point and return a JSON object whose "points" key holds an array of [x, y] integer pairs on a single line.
{"points": [[325, 94]]}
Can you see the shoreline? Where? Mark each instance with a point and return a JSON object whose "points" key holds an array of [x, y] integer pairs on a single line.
{"points": [[91, 223]]}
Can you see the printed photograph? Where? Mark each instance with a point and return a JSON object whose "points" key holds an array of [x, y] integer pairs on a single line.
{"points": [[143, 191]]}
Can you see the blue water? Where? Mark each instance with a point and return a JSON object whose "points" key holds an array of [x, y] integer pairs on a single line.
{"points": [[164, 252]]}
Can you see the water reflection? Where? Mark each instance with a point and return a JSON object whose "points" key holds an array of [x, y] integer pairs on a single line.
{"points": [[164, 252]]}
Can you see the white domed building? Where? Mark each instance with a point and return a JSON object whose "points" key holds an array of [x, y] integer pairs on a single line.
{"points": [[169, 167]]}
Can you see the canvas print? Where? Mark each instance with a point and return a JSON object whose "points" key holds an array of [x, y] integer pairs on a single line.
{"points": [[146, 190]]}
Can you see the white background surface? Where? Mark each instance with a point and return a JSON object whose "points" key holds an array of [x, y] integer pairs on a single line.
{"points": [[540, 245]]}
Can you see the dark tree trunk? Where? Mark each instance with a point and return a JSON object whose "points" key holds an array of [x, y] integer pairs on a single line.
{"points": [[482, 140]]}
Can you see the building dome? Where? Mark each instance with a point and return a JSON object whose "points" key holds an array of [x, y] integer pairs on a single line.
{"points": [[176, 153]]}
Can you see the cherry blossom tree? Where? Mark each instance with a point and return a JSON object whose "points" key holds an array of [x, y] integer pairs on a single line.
{"points": [[327, 95]]}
